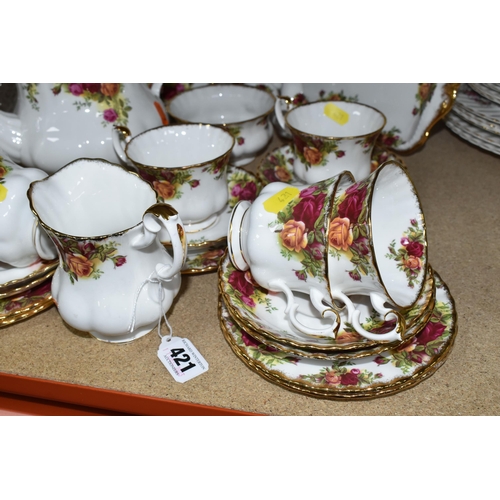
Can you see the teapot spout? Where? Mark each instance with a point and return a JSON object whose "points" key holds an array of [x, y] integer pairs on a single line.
{"points": [[10, 136]]}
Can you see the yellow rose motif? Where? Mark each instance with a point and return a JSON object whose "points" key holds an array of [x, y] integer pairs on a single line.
{"points": [[164, 189], [282, 174], [312, 155], [79, 265], [294, 235], [340, 233], [412, 262], [110, 89]]}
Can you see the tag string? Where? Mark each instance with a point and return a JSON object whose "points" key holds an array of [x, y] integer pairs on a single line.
{"points": [[153, 278]]}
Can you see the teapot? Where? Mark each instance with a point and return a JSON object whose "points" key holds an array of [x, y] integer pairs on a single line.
{"points": [[56, 123], [22, 242]]}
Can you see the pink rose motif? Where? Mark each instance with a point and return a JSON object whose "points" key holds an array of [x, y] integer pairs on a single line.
{"points": [[241, 141], [248, 301], [349, 378], [415, 248], [247, 192], [339, 154], [352, 204], [86, 248], [194, 183], [361, 246], [309, 209], [76, 88], [119, 261], [238, 281], [431, 332], [110, 115]]}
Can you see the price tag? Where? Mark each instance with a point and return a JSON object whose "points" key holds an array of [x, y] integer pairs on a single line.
{"points": [[3, 192], [181, 358], [336, 114], [280, 200]]}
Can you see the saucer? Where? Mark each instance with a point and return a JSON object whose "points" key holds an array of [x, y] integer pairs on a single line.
{"points": [[24, 305], [374, 376], [277, 166], [207, 246], [16, 280], [262, 311]]}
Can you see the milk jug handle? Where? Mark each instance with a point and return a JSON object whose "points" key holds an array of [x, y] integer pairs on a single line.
{"points": [[162, 214]]}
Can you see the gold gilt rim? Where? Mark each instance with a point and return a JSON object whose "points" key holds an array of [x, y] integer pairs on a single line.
{"points": [[370, 229], [59, 234], [27, 312], [288, 345], [374, 391], [21, 285], [354, 346], [205, 270], [331, 137], [231, 124], [449, 94], [181, 167], [215, 243]]}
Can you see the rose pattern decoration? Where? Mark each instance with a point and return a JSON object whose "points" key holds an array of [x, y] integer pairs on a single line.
{"points": [[81, 259], [208, 259], [301, 230], [340, 374], [313, 151], [348, 230], [260, 352], [277, 166], [168, 184], [107, 97], [423, 96], [336, 96], [31, 93], [244, 292], [4, 170], [26, 299], [410, 256], [426, 344], [390, 138], [242, 185]]}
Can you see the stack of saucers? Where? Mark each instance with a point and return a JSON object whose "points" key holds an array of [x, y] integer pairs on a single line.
{"points": [[352, 346], [475, 116]]}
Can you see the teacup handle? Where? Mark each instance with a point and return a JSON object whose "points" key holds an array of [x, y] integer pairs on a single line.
{"points": [[378, 302], [317, 302], [155, 217], [282, 102], [121, 135]]}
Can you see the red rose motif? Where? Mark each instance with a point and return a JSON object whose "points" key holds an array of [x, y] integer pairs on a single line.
{"points": [[247, 340], [309, 209], [110, 115], [119, 261], [415, 248], [349, 378], [353, 203], [92, 87], [431, 332], [238, 281], [247, 192], [76, 88]]}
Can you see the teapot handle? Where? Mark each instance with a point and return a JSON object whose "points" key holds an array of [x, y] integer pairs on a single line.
{"points": [[156, 89], [121, 135], [155, 217]]}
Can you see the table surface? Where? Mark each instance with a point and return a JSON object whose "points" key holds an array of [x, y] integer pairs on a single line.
{"points": [[458, 185]]}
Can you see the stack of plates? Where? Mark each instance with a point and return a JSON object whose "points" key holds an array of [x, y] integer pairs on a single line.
{"points": [[255, 325], [26, 291], [475, 115]]}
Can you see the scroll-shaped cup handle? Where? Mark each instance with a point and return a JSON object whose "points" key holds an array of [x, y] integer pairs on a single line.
{"points": [[42, 243], [121, 135], [378, 303], [163, 215], [282, 103], [317, 302]]}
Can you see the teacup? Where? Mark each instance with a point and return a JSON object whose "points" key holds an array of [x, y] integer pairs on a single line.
{"points": [[115, 279], [243, 110], [186, 165], [330, 137], [22, 241], [333, 239]]}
